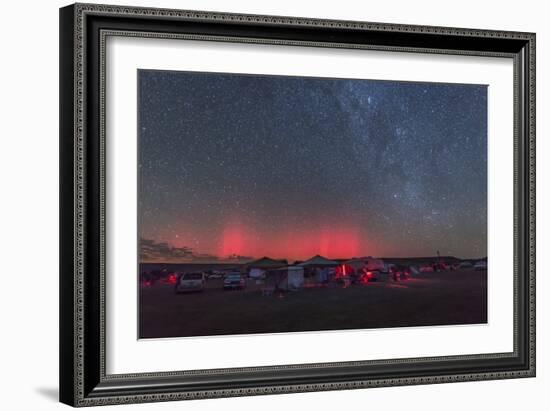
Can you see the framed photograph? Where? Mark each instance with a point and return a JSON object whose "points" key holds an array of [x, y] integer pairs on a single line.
{"points": [[260, 204]]}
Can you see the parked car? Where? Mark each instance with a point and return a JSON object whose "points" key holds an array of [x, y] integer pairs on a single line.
{"points": [[171, 278], [427, 268], [366, 276], [234, 281], [441, 266], [190, 282], [215, 275], [405, 272], [465, 265], [480, 265], [399, 272]]}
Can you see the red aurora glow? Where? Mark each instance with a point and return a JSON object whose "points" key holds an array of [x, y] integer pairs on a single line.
{"points": [[237, 239]]}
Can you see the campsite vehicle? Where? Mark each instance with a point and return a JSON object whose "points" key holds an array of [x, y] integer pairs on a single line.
{"points": [[441, 266], [373, 275], [389, 267], [399, 272], [375, 264], [150, 278], [366, 276], [146, 280], [427, 268], [171, 279], [465, 265], [213, 274], [188, 282], [480, 265], [233, 281]]}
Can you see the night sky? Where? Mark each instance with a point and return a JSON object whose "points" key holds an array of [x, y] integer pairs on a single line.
{"points": [[290, 167]]}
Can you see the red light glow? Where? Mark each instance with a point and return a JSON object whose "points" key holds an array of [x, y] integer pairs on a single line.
{"points": [[286, 240]]}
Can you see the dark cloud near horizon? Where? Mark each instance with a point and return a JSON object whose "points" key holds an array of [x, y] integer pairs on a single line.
{"points": [[152, 251]]}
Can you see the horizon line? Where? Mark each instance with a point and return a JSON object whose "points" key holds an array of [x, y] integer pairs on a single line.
{"points": [[246, 261]]}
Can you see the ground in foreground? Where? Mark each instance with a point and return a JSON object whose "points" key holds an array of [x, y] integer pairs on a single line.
{"points": [[444, 298]]}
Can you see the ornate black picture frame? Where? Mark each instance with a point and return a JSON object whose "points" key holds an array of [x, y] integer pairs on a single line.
{"points": [[83, 379]]}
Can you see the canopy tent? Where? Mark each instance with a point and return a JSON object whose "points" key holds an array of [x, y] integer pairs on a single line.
{"points": [[319, 261], [257, 268], [320, 267], [267, 263]]}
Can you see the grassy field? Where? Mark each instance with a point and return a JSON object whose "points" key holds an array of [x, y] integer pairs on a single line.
{"points": [[445, 298]]}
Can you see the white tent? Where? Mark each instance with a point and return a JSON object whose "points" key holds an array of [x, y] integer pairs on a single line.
{"points": [[294, 278], [287, 278]]}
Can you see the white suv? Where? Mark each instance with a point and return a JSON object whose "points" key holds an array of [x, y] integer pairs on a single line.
{"points": [[190, 282]]}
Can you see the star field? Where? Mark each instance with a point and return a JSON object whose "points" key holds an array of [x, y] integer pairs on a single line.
{"points": [[290, 166]]}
